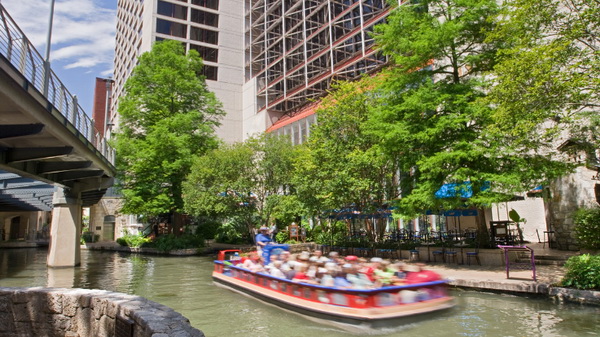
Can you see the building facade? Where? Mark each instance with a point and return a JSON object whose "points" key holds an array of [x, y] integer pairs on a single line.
{"points": [[266, 60], [211, 27], [293, 50]]}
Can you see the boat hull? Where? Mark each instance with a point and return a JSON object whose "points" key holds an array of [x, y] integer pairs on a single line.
{"points": [[348, 309]]}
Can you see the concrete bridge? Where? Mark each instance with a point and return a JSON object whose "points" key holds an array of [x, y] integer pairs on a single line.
{"points": [[51, 156]]}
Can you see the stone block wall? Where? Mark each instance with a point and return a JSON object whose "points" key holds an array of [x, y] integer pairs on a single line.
{"points": [[567, 195], [51, 312]]}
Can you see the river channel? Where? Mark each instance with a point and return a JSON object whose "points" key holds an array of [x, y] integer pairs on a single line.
{"points": [[185, 284]]}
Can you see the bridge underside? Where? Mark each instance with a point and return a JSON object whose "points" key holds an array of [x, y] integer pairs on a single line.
{"points": [[40, 149]]}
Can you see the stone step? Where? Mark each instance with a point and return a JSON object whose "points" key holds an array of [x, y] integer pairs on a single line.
{"points": [[544, 260]]}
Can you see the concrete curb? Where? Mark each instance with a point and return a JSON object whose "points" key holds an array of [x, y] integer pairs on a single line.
{"points": [[566, 295]]}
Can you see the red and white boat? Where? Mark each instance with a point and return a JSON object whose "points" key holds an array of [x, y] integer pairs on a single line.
{"points": [[350, 309]]}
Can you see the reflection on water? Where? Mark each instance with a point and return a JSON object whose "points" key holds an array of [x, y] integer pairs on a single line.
{"points": [[185, 284]]}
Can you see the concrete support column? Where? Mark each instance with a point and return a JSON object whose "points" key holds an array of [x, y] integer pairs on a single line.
{"points": [[65, 230]]}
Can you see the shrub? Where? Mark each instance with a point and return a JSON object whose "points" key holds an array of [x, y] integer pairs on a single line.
{"points": [[134, 241], [90, 237], [282, 236], [583, 272], [587, 227], [169, 242], [207, 227]]}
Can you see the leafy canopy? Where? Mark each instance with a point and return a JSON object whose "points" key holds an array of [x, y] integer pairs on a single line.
{"points": [[247, 180], [167, 118], [433, 115], [341, 165], [550, 72]]}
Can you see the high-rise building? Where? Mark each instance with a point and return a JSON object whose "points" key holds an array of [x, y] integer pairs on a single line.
{"points": [[266, 60], [295, 49], [211, 27]]}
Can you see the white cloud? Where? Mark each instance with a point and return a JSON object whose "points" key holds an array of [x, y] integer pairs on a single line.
{"points": [[83, 34]]}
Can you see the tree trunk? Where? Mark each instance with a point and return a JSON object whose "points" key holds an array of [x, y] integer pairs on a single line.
{"points": [[483, 234]]}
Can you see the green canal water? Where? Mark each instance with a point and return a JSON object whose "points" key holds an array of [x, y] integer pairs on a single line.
{"points": [[185, 284]]}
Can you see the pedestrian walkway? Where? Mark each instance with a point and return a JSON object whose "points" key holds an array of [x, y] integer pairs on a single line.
{"points": [[494, 278], [520, 281]]}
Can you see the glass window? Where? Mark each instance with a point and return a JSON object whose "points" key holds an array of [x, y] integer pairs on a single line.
{"points": [[170, 28], [212, 4], [207, 53], [172, 10], [210, 72], [204, 35], [205, 18]]}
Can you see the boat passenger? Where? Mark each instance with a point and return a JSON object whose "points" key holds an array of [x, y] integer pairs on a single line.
{"points": [[300, 275], [358, 280], [340, 281], [384, 275], [368, 269], [253, 263], [399, 274], [420, 275], [287, 266], [275, 269], [334, 256], [327, 279], [312, 267], [352, 259], [273, 258]]}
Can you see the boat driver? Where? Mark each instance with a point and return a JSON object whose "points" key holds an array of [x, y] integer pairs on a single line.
{"points": [[262, 239]]}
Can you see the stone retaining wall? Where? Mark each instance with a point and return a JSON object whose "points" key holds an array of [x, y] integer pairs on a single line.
{"points": [[488, 257], [81, 313]]}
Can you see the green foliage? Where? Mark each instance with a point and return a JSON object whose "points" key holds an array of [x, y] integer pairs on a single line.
{"points": [[434, 116], [282, 236], [242, 180], [165, 243], [549, 72], [285, 209], [334, 233], [207, 227], [234, 231], [89, 237], [587, 227], [583, 272], [134, 241], [342, 164], [167, 117]]}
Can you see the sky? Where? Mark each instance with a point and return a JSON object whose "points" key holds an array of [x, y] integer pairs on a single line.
{"points": [[83, 39]]}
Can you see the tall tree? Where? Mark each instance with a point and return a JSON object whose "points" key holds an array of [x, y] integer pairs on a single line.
{"points": [[343, 166], [432, 114], [167, 118]]}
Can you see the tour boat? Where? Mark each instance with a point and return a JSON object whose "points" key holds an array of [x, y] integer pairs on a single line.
{"points": [[351, 309]]}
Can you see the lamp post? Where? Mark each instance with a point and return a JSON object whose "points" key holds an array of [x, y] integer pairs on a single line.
{"points": [[48, 42]]}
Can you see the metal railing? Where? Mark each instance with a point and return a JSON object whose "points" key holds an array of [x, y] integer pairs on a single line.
{"points": [[22, 55]]}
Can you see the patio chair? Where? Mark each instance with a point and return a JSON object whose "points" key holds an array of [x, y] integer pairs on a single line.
{"points": [[451, 255], [414, 255], [473, 255], [440, 253]]}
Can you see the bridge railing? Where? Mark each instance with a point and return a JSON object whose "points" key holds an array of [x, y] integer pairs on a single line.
{"points": [[19, 51]]}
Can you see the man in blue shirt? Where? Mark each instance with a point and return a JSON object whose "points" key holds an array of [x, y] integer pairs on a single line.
{"points": [[262, 239]]}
